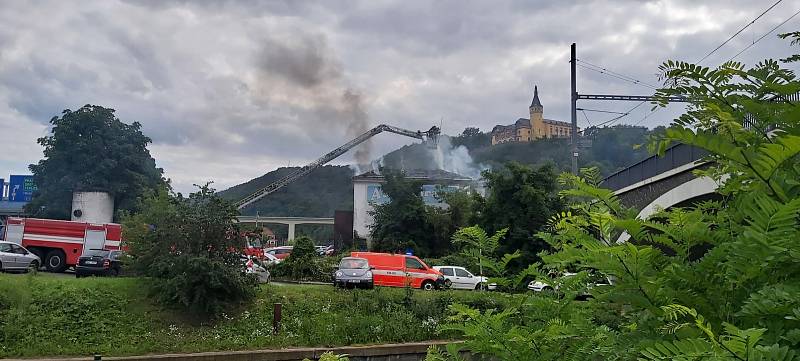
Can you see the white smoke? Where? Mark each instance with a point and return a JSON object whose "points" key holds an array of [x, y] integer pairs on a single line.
{"points": [[456, 159]]}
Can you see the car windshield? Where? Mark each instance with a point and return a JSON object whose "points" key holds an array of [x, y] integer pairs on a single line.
{"points": [[354, 263], [96, 253]]}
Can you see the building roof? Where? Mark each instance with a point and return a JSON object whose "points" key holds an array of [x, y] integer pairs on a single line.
{"points": [[557, 122], [535, 102], [418, 174], [522, 122]]}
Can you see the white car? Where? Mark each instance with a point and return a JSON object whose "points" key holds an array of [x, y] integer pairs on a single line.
{"points": [[460, 278], [14, 257], [539, 286], [253, 266]]}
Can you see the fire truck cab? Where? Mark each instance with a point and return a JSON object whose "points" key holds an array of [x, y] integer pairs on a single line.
{"points": [[60, 243]]}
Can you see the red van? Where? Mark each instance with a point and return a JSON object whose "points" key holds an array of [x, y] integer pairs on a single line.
{"points": [[397, 270]]}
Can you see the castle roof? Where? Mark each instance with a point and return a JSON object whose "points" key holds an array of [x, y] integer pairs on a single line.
{"points": [[556, 122], [522, 122], [535, 102]]}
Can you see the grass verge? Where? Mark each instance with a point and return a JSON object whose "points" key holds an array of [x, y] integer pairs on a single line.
{"points": [[60, 316]]}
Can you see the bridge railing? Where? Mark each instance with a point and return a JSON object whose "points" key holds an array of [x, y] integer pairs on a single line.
{"points": [[674, 157]]}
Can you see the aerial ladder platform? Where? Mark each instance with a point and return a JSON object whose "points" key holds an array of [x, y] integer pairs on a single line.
{"points": [[430, 137]]}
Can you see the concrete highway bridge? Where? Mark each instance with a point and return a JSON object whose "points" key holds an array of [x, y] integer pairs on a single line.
{"points": [[290, 221]]}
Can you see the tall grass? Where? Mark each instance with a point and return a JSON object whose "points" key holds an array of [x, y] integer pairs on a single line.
{"points": [[55, 316]]}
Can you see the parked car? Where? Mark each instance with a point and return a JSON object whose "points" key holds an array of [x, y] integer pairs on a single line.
{"points": [[279, 252], [254, 266], [99, 262], [353, 272], [595, 280], [324, 250], [399, 270], [270, 259], [14, 257], [459, 278]]}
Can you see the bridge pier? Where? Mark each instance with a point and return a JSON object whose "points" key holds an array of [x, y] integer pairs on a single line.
{"points": [[291, 232]]}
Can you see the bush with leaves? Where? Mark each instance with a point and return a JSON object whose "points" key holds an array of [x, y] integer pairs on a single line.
{"points": [[190, 248], [305, 264], [716, 281]]}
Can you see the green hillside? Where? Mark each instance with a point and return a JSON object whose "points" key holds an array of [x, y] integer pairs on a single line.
{"points": [[611, 149], [318, 194], [330, 188]]}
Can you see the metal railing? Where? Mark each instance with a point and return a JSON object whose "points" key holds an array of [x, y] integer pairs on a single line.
{"points": [[674, 157]]}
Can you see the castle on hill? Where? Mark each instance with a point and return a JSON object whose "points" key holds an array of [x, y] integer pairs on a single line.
{"points": [[527, 130]]}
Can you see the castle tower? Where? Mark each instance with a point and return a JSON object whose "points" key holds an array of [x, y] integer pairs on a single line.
{"points": [[537, 119]]}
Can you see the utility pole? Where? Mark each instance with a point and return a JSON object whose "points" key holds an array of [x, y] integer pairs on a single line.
{"points": [[574, 102]]}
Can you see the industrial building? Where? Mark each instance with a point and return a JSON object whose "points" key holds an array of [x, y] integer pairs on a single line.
{"points": [[367, 192]]}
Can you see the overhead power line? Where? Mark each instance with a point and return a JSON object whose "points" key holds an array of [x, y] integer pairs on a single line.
{"points": [[587, 118], [613, 120], [765, 35], [738, 32], [598, 111], [613, 74]]}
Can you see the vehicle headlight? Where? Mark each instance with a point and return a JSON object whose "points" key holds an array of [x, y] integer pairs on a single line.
{"points": [[339, 274], [368, 274]]}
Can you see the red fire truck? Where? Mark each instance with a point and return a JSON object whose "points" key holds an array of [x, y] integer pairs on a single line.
{"points": [[60, 243]]}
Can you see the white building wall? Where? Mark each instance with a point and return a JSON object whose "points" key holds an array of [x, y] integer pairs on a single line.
{"points": [[361, 209]]}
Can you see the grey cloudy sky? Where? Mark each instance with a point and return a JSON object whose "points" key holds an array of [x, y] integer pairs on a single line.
{"points": [[229, 90]]}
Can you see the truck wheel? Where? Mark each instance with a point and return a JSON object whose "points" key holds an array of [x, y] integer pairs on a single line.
{"points": [[428, 286], [56, 261]]}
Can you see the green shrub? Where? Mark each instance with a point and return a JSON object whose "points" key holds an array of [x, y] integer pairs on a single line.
{"points": [[305, 264], [190, 249]]}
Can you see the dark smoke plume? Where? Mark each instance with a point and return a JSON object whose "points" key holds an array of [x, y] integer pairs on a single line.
{"points": [[303, 73]]}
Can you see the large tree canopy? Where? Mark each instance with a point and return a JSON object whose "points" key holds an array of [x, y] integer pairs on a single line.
{"points": [[521, 199], [402, 222], [92, 150]]}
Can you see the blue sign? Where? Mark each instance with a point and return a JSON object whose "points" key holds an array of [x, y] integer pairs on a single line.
{"points": [[376, 196], [20, 188], [2, 188]]}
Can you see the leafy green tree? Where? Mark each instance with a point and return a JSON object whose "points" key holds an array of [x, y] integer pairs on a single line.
{"points": [[458, 211], [521, 199], [401, 223], [190, 249], [715, 281], [90, 149]]}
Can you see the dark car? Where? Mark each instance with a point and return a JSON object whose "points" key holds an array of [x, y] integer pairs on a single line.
{"points": [[99, 262], [353, 272]]}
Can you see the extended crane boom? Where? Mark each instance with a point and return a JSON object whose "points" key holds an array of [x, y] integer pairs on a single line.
{"points": [[430, 137]]}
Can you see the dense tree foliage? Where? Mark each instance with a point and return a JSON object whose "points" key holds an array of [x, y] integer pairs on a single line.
{"points": [[521, 199], [190, 248], [401, 223], [715, 281], [90, 149]]}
